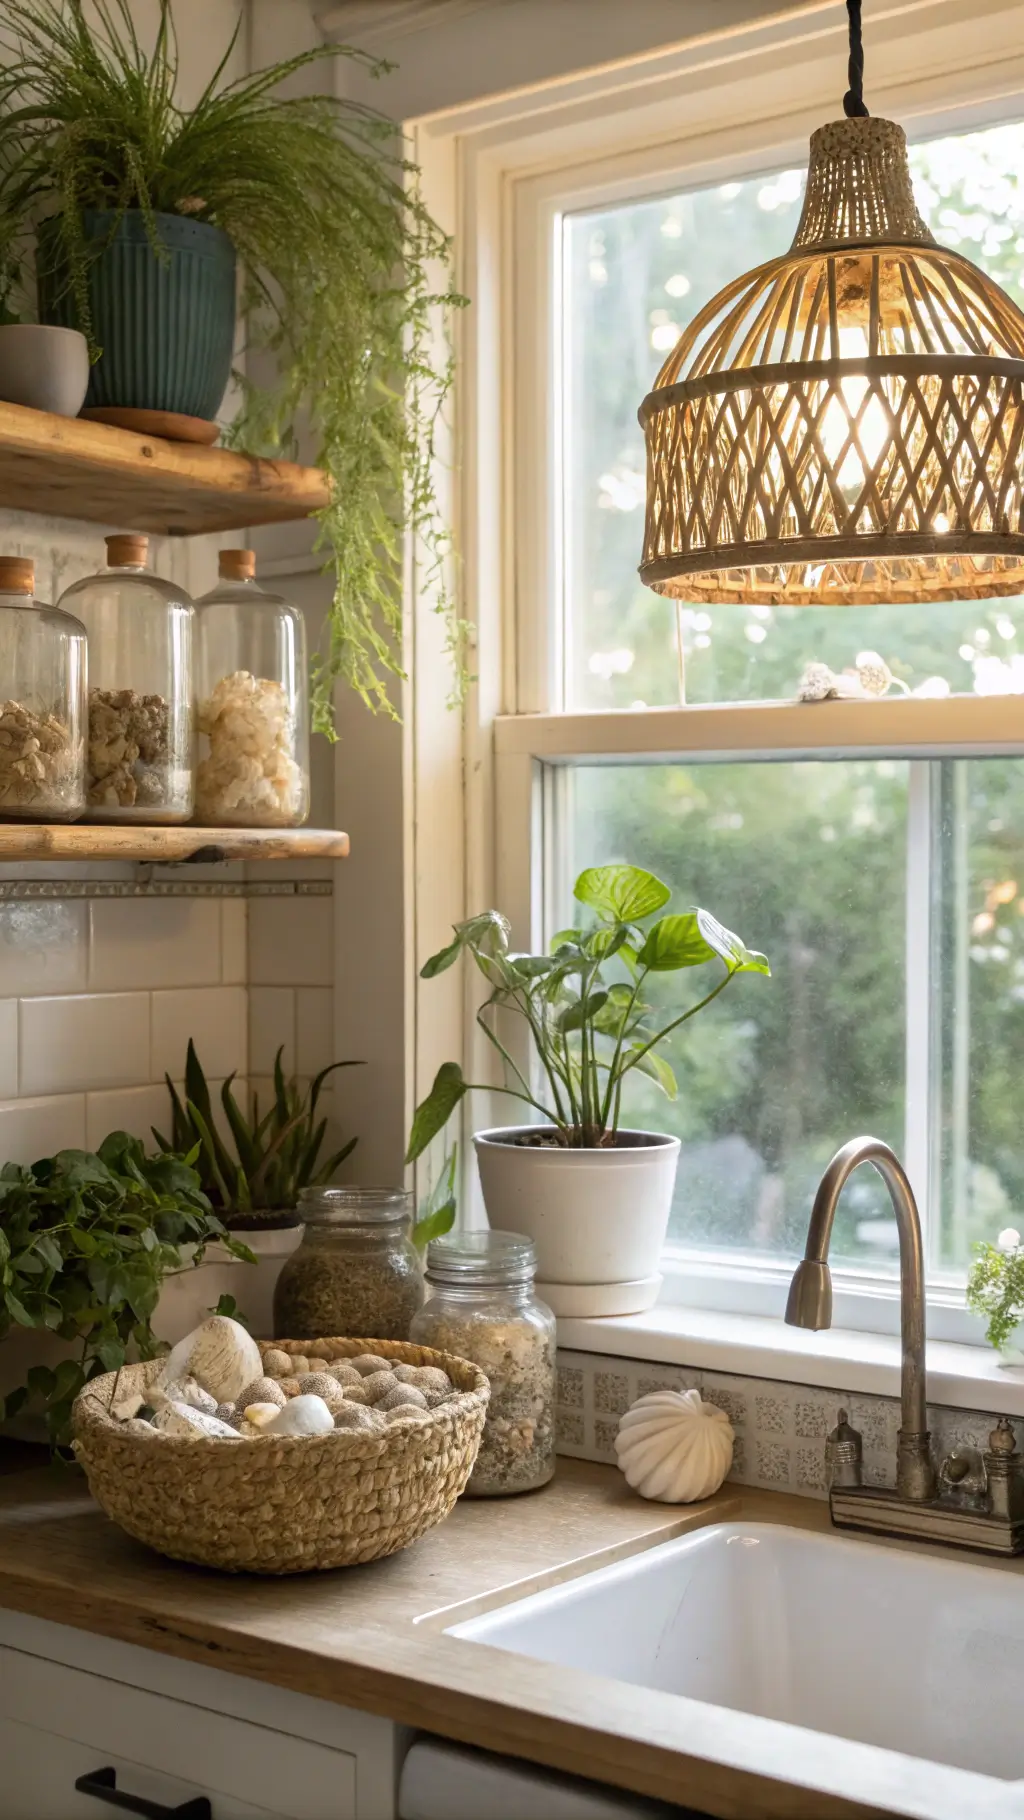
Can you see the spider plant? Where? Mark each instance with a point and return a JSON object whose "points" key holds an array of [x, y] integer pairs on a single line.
{"points": [[276, 1154], [343, 273]]}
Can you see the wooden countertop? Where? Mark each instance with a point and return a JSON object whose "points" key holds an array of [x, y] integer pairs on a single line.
{"points": [[370, 1638]]}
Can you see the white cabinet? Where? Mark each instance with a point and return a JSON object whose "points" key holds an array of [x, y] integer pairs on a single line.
{"points": [[72, 1705], [40, 1771]]}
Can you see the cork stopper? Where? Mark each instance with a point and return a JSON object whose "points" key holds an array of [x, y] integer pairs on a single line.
{"points": [[127, 552], [238, 565], [859, 188], [17, 575]]}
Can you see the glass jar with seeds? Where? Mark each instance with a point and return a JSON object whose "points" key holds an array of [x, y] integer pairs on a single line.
{"points": [[252, 708], [483, 1307], [139, 760], [42, 703], [356, 1274]]}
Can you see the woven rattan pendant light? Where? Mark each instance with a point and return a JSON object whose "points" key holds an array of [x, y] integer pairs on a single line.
{"points": [[843, 424]]}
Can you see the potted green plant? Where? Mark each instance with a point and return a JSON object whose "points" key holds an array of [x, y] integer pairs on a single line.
{"points": [[139, 209], [253, 1175], [594, 1195], [995, 1290], [88, 1243]]}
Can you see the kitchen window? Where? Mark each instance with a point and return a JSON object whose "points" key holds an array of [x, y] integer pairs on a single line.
{"points": [[873, 850]]}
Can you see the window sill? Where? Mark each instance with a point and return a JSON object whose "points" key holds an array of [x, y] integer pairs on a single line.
{"points": [[959, 1377]]}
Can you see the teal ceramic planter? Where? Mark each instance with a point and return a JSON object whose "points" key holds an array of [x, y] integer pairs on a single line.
{"points": [[166, 325]]}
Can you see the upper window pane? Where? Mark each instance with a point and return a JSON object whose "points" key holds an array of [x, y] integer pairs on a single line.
{"points": [[635, 275]]}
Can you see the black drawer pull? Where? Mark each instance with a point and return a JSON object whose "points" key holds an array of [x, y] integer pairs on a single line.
{"points": [[102, 1785]]}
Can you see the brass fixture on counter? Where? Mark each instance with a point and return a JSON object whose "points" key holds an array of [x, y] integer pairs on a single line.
{"points": [[972, 1502]]}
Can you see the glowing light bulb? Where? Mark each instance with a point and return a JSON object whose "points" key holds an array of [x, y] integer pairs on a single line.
{"points": [[867, 436]]}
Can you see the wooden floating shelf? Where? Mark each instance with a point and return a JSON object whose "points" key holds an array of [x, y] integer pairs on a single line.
{"points": [[78, 469], [165, 846]]}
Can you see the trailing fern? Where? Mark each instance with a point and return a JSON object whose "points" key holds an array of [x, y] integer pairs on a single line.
{"points": [[343, 272]]}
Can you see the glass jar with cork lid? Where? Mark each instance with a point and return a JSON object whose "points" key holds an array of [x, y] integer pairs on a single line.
{"points": [[483, 1307], [42, 702], [356, 1274], [139, 765], [253, 703]]}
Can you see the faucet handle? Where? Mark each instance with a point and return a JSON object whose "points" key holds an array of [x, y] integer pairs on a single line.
{"points": [[963, 1478], [1002, 1440], [1003, 1465], [844, 1453]]}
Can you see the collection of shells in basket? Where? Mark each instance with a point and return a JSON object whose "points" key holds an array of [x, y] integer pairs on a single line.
{"points": [[216, 1383]]}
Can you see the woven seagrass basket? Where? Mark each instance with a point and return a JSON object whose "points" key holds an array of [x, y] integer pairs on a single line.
{"points": [[284, 1504]]}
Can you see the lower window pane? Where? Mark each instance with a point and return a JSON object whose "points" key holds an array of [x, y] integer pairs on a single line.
{"points": [[807, 862]]}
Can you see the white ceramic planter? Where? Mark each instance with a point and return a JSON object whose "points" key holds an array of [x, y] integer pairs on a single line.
{"points": [[44, 366], [597, 1217], [187, 1297]]}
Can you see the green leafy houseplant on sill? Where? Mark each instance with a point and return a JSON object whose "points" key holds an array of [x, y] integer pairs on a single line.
{"points": [[995, 1290], [591, 1022], [343, 274], [277, 1154], [86, 1242]]}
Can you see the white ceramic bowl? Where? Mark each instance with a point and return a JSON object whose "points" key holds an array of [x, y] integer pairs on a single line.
{"points": [[44, 367]]}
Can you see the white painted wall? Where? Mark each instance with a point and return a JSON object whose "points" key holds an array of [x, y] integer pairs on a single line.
{"points": [[450, 52]]}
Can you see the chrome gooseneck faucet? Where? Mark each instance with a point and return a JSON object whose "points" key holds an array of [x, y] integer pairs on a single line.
{"points": [[977, 1499], [810, 1297]]}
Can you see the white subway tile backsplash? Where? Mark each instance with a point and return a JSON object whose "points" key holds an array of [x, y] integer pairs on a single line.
{"points": [[234, 941], [138, 943], [314, 1029], [333, 1105], [89, 1040], [8, 1048], [215, 1019], [271, 1023], [43, 948], [134, 1109], [33, 1128], [291, 941]]}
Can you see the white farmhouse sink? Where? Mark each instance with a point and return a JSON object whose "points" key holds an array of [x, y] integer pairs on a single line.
{"points": [[887, 1646]]}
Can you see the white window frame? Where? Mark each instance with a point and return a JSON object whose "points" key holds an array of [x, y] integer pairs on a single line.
{"points": [[500, 174]]}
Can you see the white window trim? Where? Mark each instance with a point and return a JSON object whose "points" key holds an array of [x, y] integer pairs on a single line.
{"points": [[498, 174]]}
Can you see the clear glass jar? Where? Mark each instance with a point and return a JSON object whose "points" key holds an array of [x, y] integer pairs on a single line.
{"points": [[482, 1307], [42, 703], [140, 758], [253, 703], [356, 1274]]}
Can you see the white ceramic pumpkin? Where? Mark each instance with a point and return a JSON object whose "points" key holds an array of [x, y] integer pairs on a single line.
{"points": [[673, 1447]]}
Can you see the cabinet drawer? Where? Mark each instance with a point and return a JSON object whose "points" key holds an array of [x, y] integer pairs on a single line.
{"points": [[40, 1771], [58, 1723]]}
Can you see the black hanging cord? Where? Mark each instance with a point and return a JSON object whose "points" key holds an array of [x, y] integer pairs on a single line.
{"points": [[853, 100]]}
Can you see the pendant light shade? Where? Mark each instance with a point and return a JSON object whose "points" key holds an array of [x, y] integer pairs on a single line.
{"points": [[844, 424]]}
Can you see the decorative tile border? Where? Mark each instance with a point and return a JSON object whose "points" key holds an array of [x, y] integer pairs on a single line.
{"points": [[34, 890], [780, 1428]]}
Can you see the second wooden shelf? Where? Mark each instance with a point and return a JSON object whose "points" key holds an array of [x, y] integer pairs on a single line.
{"points": [[165, 846]]}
